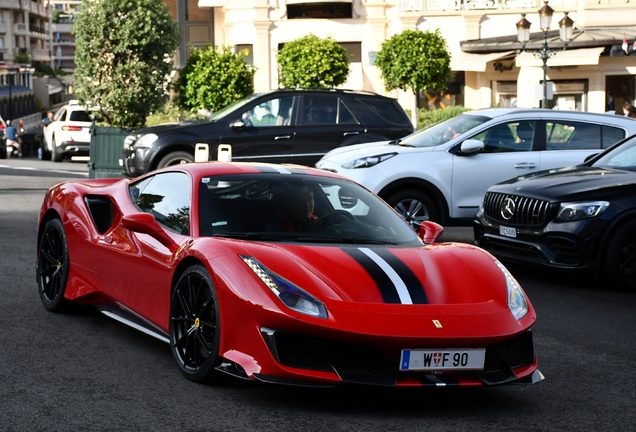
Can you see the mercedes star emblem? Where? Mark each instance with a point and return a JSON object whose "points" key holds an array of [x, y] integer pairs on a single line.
{"points": [[508, 208]]}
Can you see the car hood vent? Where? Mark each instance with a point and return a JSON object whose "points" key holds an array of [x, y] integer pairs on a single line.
{"points": [[516, 210]]}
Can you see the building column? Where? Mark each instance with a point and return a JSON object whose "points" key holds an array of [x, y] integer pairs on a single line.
{"points": [[528, 79], [262, 56]]}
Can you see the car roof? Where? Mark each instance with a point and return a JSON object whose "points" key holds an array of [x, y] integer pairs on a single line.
{"points": [[328, 90], [547, 113]]}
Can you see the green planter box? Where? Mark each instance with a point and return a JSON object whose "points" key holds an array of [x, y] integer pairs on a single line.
{"points": [[106, 145]]}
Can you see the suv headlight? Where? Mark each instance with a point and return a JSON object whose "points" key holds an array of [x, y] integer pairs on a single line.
{"points": [[581, 210], [129, 140], [146, 140], [368, 161], [516, 297], [289, 294]]}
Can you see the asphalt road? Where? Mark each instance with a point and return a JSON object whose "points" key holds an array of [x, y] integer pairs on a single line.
{"points": [[83, 371]]}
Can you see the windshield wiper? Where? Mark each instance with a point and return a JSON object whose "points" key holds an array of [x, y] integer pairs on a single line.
{"points": [[252, 236], [347, 240]]}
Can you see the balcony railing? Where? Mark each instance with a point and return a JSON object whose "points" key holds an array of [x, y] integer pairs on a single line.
{"points": [[465, 5]]}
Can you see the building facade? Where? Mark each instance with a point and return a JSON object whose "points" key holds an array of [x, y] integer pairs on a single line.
{"points": [[488, 74]]}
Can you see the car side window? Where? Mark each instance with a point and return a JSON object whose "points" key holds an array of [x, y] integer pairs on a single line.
{"points": [[60, 115], [611, 136], [508, 137], [273, 112], [572, 135], [167, 197], [319, 109]]}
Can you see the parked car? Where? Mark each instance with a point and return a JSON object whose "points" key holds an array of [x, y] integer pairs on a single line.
{"points": [[200, 257], [581, 217], [442, 173], [282, 126], [68, 134]]}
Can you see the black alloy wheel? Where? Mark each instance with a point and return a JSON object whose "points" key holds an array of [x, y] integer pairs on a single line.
{"points": [[53, 266], [194, 324], [620, 264], [415, 207]]}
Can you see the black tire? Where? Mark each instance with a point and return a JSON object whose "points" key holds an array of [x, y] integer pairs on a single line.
{"points": [[194, 325], [415, 207], [55, 155], [53, 266], [175, 158], [620, 259]]}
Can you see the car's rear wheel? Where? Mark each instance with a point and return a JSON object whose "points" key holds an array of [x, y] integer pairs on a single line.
{"points": [[194, 325], [53, 266], [415, 207], [175, 158], [620, 261], [55, 154]]}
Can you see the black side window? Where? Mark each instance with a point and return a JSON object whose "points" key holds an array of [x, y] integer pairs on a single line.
{"points": [[572, 135], [387, 109], [60, 115], [344, 115], [320, 109], [167, 197], [611, 136]]}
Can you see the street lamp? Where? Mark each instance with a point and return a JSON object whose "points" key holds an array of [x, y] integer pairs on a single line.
{"points": [[544, 53]]}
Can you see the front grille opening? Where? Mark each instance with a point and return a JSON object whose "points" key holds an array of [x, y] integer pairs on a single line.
{"points": [[514, 353], [527, 211], [307, 352]]}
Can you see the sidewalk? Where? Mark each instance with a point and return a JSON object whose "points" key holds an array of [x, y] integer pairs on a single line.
{"points": [[80, 165]]}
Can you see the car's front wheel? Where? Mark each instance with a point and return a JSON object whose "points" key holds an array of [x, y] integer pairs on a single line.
{"points": [[415, 207], [194, 324], [175, 158], [53, 266], [620, 261]]}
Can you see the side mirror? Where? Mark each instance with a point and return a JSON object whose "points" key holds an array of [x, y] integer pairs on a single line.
{"points": [[237, 124], [347, 200], [430, 231], [146, 223], [471, 146]]}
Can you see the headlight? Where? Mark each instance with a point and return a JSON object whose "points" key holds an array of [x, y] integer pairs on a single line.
{"points": [[581, 210], [146, 140], [288, 293], [129, 140], [516, 298], [367, 162]]}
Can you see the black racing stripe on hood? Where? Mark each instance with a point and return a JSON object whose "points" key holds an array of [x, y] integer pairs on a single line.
{"points": [[387, 289], [413, 285]]}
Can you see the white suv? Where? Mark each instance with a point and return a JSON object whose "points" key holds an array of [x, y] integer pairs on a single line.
{"points": [[68, 134], [442, 172]]}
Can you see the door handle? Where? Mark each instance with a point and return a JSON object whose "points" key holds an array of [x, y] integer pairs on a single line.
{"points": [[280, 137], [525, 165], [351, 133]]}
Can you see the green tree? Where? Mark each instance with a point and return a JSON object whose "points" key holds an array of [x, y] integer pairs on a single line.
{"points": [[214, 78], [415, 61], [123, 57], [310, 61]]}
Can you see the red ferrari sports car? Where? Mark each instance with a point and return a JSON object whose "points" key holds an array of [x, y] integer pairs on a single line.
{"points": [[283, 274]]}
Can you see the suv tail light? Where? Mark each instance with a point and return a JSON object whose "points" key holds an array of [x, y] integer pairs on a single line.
{"points": [[72, 128]]}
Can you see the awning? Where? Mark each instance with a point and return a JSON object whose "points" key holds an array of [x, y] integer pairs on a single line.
{"points": [[317, 1], [573, 57], [461, 61]]}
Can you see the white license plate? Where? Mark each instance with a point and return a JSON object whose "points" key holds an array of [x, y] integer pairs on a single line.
{"points": [[443, 359], [507, 231]]}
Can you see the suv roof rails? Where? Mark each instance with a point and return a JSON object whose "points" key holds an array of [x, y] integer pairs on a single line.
{"points": [[333, 90]]}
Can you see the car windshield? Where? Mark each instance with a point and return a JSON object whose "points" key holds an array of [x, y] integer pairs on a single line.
{"points": [[440, 133], [297, 208], [231, 107], [620, 157]]}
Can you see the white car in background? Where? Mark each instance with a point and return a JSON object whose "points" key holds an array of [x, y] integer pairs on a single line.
{"points": [[68, 134], [441, 173]]}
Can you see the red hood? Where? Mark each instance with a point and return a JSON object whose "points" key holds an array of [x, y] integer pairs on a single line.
{"points": [[438, 274]]}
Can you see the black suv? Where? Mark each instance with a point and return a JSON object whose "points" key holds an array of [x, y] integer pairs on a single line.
{"points": [[282, 126]]}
